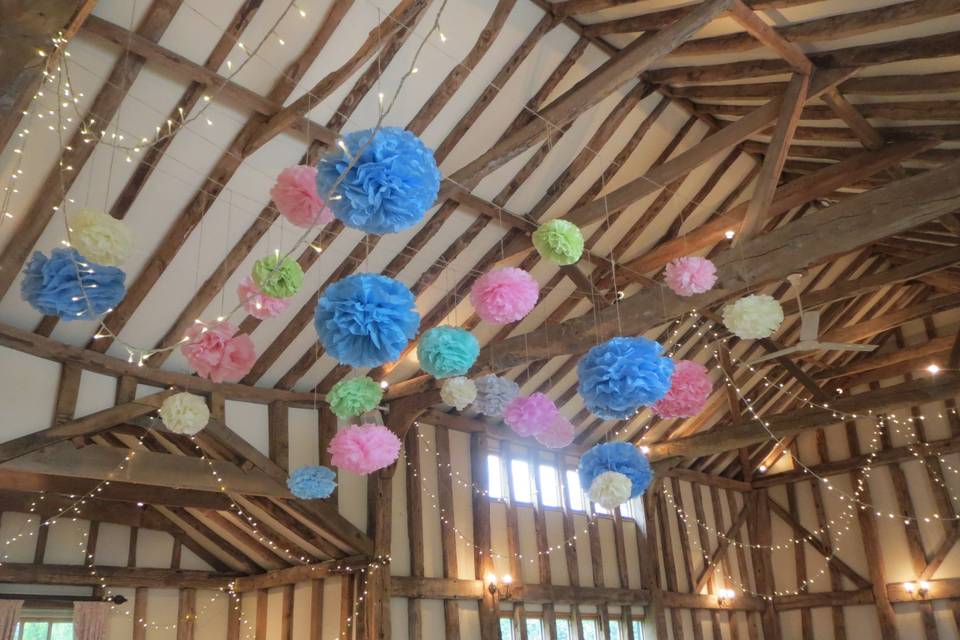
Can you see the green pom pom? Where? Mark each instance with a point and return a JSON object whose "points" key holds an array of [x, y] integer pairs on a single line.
{"points": [[353, 397], [281, 281], [559, 241]]}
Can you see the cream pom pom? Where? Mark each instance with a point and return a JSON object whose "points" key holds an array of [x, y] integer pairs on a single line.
{"points": [[185, 413], [610, 489], [754, 316], [458, 392], [100, 237]]}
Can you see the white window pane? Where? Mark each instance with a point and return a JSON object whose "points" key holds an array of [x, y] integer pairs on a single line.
{"points": [[598, 509], [637, 630], [534, 629], [506, 629], [494, 477], [520, 475], [563, 629], [589, 628], [549, 486], [573, 488], [614, 630]]}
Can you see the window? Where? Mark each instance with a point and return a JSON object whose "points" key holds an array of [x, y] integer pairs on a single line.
{"points": [[506, 629], [534, 629], [573, 488], [637, 630], [563, 629], [494, 477], [549, 486], [520, 475], [588, 630], [34, 629], [614, 630]]}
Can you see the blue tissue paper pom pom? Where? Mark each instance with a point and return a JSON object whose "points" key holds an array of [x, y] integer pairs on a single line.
{"points": [[366, 320], [312, 482], [622, 374], [445, 352], [394, 182], [620, 457], [52, 287]]}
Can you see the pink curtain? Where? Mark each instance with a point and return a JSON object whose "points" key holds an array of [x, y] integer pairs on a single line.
{"points": [[9, 614], [90, 620]]}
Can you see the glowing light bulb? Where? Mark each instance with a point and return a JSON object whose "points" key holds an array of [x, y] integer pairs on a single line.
{"points": [[728, 234], [933, 369]]}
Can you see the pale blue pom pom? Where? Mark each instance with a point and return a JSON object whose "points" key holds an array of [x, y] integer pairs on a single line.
{"points": [[69, 286], [366, 320], [621, 375], [394, 182], [312, 482], [494, 393], [619, 457]]}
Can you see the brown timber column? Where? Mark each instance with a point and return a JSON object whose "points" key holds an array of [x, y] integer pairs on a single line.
{"points": [[482, 537], [377, 602], [187, 614], [513, 542], [871, 548], [414, 529], [654, 620], [278, 425], [448, 541], [758, 525], [570, 550]]}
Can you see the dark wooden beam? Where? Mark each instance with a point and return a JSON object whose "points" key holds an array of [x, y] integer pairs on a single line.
{"points": [[810, 240]]}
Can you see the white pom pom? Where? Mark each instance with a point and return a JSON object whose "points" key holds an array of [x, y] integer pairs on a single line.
{"points": [[610, 489], [458, 392], [100, 237], [754, 316], [185, 413]]}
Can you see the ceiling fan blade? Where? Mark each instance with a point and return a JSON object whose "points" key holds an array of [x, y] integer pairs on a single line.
{"points": [[775, 354], [809, 325], [843, 346]]}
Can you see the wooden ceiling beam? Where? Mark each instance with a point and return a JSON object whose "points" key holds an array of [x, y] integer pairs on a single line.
{"points": [[935, 347], [96, 462], [407, 11], [76, 152], [900, 85], [772, 39], [792, 194], [811, 240], [620, 68], [119, 577], [729, 136], [81, 427], [302, 573], [28, 27], [575, 7], [766, 187], [750, 432], [867, 328], [50, 349], [934, 46]]}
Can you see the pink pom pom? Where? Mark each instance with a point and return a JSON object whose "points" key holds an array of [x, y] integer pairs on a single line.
{"points": [[558, 435], [504, 295], [295, 194], [530, 415], [216, 352], [690, 275], [364, 449], [689, 389], [257, 303]]}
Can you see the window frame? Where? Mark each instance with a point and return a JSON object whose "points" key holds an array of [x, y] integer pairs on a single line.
{"points": [[49, 620]]}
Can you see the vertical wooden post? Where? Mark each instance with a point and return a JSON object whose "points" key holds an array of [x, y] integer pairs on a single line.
{"points": [[752, 631], [415, 529], [806, 617], [669, 564], [316, 609], [655, 621], [260, 631], [377, 603], [489, 626], [688, 569], [758, 524], [448, 542], [570, 550], [187, 614], [233, 617], [286, 613], [871, 548], [836, 580], [513, 543], [279, 434], [543, 560]]}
